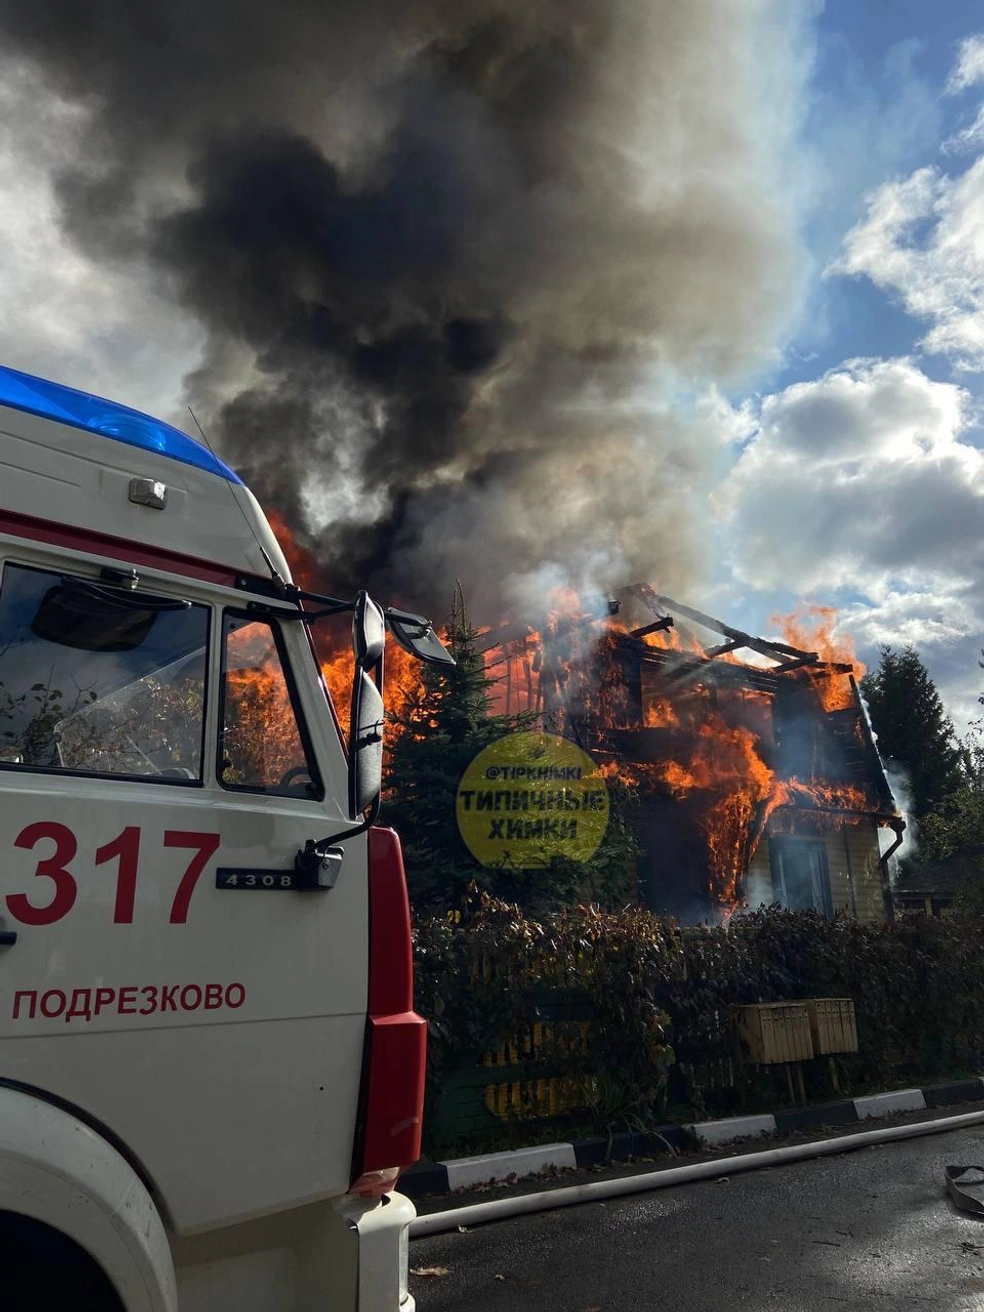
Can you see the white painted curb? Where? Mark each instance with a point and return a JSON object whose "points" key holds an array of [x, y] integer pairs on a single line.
{"points": [[467, 1171], [714, 1133], [885, 1104], [436, 1223]]}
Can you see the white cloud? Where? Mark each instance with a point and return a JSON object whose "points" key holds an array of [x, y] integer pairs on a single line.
{"points": [[923, 238], [969, 68], [102, 327], [969, 138], [862, 487]]}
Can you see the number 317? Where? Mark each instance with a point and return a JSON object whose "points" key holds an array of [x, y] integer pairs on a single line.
{"points": [[124, 849]]}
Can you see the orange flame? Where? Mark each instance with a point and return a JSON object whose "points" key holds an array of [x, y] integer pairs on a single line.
{"points": [[403, 683], [813, 628], [261, 744], [303, 566], [712, 751], [403, 686]]}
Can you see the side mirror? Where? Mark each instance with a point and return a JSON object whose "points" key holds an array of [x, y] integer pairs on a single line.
{"points": [[366, 725], [368, 632], [365, 744], [415, 634]]}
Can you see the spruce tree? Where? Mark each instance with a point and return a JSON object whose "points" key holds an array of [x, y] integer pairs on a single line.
{"points": [[441, 730], [913, 730]]}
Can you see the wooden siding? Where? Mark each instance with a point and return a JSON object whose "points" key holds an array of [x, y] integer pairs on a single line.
{"points": [[852, 862]]}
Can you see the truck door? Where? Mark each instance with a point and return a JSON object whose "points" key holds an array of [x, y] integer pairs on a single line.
{"points": [[163, 755]]}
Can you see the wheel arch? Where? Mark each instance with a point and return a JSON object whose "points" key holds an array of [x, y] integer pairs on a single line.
{"points": [[56, 1169]]}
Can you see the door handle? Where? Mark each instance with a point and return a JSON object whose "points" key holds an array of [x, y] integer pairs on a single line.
{"points": [[8, 937]]}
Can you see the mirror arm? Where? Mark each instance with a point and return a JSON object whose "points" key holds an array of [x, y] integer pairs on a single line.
{"points": [[322, 599], [311, 859], [304, 616]]}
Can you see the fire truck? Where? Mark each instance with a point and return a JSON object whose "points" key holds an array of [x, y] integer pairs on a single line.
{"points": [[211, 1073]]}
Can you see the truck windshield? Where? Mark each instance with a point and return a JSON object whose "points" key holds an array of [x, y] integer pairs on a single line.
{"points": [[103, 704]]}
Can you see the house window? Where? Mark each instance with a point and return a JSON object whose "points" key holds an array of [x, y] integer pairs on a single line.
{"points": [[800, 878]]}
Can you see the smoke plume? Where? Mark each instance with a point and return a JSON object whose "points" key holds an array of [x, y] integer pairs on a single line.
{"points": [[460, 262]]}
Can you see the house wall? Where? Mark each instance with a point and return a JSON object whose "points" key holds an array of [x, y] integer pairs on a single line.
{"points": [[852, 863]]}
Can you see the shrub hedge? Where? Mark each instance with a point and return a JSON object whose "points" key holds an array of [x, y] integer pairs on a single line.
{"points": [[661, 996]]}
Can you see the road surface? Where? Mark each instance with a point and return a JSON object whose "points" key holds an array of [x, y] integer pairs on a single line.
{"points": [[869, 1229]]}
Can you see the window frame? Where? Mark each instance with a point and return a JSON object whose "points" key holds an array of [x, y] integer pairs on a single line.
{"points": [[67, 772], [293, 693], [780, 842]]}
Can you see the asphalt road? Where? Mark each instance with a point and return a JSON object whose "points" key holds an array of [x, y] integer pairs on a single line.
{"points": [[868, 1229]]}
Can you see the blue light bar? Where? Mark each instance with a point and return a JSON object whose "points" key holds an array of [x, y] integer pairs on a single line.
{"points": [[53, 401]]}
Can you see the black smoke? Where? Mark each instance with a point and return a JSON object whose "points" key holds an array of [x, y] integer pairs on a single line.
{"points": [[452, 260]]}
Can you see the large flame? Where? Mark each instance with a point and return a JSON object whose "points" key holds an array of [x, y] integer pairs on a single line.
{"points": [[303, 566], [261, 744], [713, 748], [710, 749], [332, 644], [814, 628]]}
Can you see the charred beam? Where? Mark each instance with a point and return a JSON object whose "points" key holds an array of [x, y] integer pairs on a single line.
{"points": [[504, 635], [672, 667], [797, 665], [722, 648], [665, 623], [772, 650], [791, 651]]}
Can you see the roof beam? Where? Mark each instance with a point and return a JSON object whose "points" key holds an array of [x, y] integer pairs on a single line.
{"points": [[775, 651]]}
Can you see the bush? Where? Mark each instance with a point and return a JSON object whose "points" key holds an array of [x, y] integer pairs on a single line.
{"points": [[661, 996]]}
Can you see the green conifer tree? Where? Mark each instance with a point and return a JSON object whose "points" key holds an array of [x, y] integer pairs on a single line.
{"points": [[441, 730], [912, 728]]}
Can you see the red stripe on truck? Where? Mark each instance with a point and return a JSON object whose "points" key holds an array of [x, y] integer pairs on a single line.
{"points": [[121, 550], [392, 1101]]}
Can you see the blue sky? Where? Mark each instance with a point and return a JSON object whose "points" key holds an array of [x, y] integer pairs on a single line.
{"points": [[875, 111], [815, 423], [882, 103]]}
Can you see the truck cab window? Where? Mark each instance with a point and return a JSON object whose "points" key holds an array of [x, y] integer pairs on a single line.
{"points": [[94, 681], [263, 745]]}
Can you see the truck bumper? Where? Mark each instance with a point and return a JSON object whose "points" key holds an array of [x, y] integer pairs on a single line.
{"points": [[383, 1238], [349, 1255]]}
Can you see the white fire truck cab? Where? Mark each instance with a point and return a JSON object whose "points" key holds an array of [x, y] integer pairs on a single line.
{"points": [[211, 1073]]}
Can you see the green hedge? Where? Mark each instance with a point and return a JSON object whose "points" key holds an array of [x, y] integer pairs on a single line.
{"points": [[661, 996]]}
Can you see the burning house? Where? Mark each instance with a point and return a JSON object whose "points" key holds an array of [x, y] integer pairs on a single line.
{"points": [[448, 267], [757, 777]]}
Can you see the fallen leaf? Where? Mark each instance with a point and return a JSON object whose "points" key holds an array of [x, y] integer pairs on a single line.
{"points": [[498, 1277], [430, 1271], [462, 1229]]}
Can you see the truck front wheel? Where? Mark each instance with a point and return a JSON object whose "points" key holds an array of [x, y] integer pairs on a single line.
{"points": [[42, 1270]]}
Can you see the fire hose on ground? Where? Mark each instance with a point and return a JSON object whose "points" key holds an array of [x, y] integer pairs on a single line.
{"points": [[500, 1209]]}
